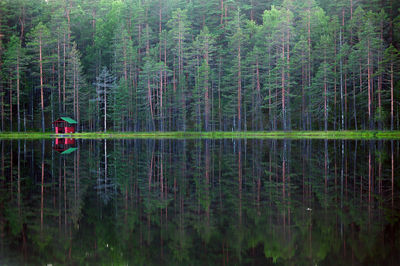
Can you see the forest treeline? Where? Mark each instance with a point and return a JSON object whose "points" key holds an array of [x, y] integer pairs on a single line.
{"points": [[175, 65]]}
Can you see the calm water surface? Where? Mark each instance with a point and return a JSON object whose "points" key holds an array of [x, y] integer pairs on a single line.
{"points": [[199, 202]]}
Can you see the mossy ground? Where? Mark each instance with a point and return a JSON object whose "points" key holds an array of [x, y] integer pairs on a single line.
{"points": [[210, 135]]}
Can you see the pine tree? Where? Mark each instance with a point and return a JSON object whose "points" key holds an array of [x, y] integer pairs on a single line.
{"points": [[391, 64], [40, 42], [204, 45], [179, 25], [14, 63], [105, 83], [77, 81]]}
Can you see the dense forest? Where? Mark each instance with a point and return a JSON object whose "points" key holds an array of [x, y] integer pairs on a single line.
{"points": [[200, 65]]}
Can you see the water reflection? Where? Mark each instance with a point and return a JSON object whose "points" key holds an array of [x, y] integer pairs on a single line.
{"points": [[200, 202], [64, 145]]}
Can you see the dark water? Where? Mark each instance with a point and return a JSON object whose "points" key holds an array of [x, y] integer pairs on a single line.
{"points": [[200, 202]]}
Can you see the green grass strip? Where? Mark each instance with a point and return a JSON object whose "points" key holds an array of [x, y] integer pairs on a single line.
{"points": [[210, 135]]}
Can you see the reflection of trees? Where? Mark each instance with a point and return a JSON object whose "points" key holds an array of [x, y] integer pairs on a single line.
{"points": [[200, 201]]}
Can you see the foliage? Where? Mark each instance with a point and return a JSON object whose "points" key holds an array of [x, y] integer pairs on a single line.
{"points": [[201, 65]]}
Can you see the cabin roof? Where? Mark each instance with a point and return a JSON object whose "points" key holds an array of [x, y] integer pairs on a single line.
{"points": [[67, 119]]}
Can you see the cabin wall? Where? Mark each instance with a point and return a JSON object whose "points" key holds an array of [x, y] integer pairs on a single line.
{"points": [[69, 129], [60, 129]]}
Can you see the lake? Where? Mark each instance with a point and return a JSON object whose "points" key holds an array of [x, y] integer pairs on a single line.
{"points": [[224, 202]]}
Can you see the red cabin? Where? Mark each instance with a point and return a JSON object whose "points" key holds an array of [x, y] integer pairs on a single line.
{"points": [[64, 125]]}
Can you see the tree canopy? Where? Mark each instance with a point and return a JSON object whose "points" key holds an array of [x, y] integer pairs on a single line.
{"points": [[200, 65]]}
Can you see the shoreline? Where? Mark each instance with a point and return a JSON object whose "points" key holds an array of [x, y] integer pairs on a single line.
{"points": [[371, 135]]}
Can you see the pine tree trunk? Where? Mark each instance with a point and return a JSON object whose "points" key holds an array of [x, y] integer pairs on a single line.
{"points": [[74, 87], [64, 82], [270, 109], [219, 93], [11, 110], [391, 97], [251, 10], [335, 84], [198, 95], [369, 89], [206, 91], [341, 84], [309, 70], [258, 98], [288, 115], [18, 107], [78, 115], [1, 94], [161, 71], [165, 81], [345, 100], [93, 24], [149, 96], [41, 80], [105, 106], [353, 74], [354, 103], [67, 12], [58, 74], [222, 13], [379, 102], [361, 81], [180, 77], [239, 88], [325, 96], [24, 121], [206, 99], [2, 107], [303, 104], [161, 102], [51, 91], [380, 78], [283, 84]]}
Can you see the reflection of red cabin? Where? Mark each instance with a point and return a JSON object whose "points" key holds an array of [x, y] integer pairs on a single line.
{"points": [[64, 146], [65, 141], [64, 125]]}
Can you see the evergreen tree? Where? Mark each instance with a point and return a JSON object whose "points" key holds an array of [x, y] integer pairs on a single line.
{"points": [[179, 27], [105, 83], [14, 62], [40, 42]]}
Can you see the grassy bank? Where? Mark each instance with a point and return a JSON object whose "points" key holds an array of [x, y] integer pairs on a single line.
{"points": [[211, 135]]}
